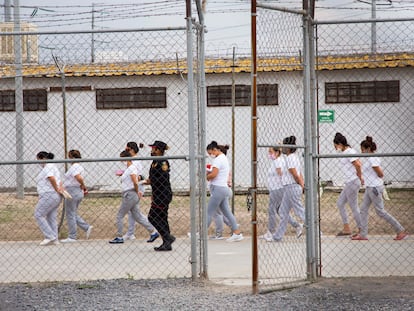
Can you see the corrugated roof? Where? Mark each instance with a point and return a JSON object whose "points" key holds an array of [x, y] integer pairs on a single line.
{"points": [[331, 62]]}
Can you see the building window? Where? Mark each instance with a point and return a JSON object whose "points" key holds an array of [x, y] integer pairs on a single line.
{"points": [[131, 98], [220, 95], [33, 100], [362, 92]]}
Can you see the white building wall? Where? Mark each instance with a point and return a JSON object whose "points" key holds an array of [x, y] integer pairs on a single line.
{"points": [[104, 133]]}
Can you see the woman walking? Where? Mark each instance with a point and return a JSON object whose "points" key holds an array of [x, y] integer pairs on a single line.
{"points": [[293, 186], [49, 190], [130, 201], [353, 179], [275, 187], [74, 183], [374, 187], [219, 190]]}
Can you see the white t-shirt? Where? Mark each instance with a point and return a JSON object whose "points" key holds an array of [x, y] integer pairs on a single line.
{"points": [[292, 161], [347, 167], [43, 183], [274, 179], [70, 180], [370, 176], [127, 183], [138, 165], [222, 165]]}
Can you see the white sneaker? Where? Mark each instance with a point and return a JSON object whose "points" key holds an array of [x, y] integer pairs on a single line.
{"points": [[88, 232], [68, 240], [217, 236], [129, 237], [45, 242], [55, 242], [235, 238], [299, 231], [267, 235]]}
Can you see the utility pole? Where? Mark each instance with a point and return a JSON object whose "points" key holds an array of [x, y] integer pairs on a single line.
{"points": [[18, 82], [93, 37], [7, 11]]}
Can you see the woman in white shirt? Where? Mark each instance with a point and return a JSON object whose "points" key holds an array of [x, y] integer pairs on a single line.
{"points": [[219, 190], [49, 190], [74, 183], [374, 186], [275, 186], [130, 201], [353, 179], [293, 186]]}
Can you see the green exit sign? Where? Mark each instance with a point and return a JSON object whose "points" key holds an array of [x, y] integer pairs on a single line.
{"points": [[326, 116]]}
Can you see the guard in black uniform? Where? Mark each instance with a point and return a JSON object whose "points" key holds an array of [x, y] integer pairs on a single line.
{"points": [[159, 179]]}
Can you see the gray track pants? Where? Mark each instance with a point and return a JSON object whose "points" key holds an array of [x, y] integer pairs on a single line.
{"points": [[275, 200], [71, 210], [130, 202], [350, 195], [374, 195], [46, 214], [219, 199]]}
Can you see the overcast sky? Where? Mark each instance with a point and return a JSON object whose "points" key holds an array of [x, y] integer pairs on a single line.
{"points": [[227, 21]]}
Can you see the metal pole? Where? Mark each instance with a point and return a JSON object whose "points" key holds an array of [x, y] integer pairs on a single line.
{"points": [[255, 266], [314, 146], [308, 172], [93, 34], [19, 102], [233, 129], [7, 11], [373, 27], [191, 138]]}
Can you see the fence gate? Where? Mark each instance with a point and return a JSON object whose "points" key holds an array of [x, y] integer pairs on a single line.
{"points": [[280, 66]]}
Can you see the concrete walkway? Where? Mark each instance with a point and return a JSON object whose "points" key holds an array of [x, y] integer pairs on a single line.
{"points": [[228, 263]]}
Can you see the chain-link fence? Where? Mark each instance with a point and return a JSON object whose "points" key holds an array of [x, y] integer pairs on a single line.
{"points": [[370, 94], [93, 92], [363, 87]]}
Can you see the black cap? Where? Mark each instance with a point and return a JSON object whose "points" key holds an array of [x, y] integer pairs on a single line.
{"points": [[160, 145]]}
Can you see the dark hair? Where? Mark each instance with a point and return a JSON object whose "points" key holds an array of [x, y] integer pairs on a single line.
{"points": [[45, 155], [75, 154], [368, 143], [133, 145], [340, 139], [125, 154], [291, 140], [212, 145], [224, 148]]}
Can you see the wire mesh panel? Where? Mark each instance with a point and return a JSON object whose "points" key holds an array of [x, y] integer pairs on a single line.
{"points": [[93, 92], [282, 254], [365, 88]]}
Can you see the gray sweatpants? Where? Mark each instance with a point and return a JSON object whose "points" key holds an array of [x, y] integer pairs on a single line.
{"points": [[130, 202], [131, 220], [219, 199], [374, 195], [220, 219], [349, 194], [275, 200], [71, 210], [46, 214], [292, 198]]}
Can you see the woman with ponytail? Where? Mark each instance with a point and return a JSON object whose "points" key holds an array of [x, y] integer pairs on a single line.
{"points": [[351, 167], [374, 187]]}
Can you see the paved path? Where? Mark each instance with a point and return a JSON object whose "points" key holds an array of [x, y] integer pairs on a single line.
{"points": [[229, 263]]}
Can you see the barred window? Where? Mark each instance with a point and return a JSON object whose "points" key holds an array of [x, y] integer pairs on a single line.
{"points": [[33, 100], [362, 92], [220, 95], [131, 98]]}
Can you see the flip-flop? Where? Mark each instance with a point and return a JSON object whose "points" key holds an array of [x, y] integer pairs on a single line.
{"points": [[359, 237], [341, 233]]}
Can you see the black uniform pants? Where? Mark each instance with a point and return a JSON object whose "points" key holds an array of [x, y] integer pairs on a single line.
{"points": [[158, 216]]}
